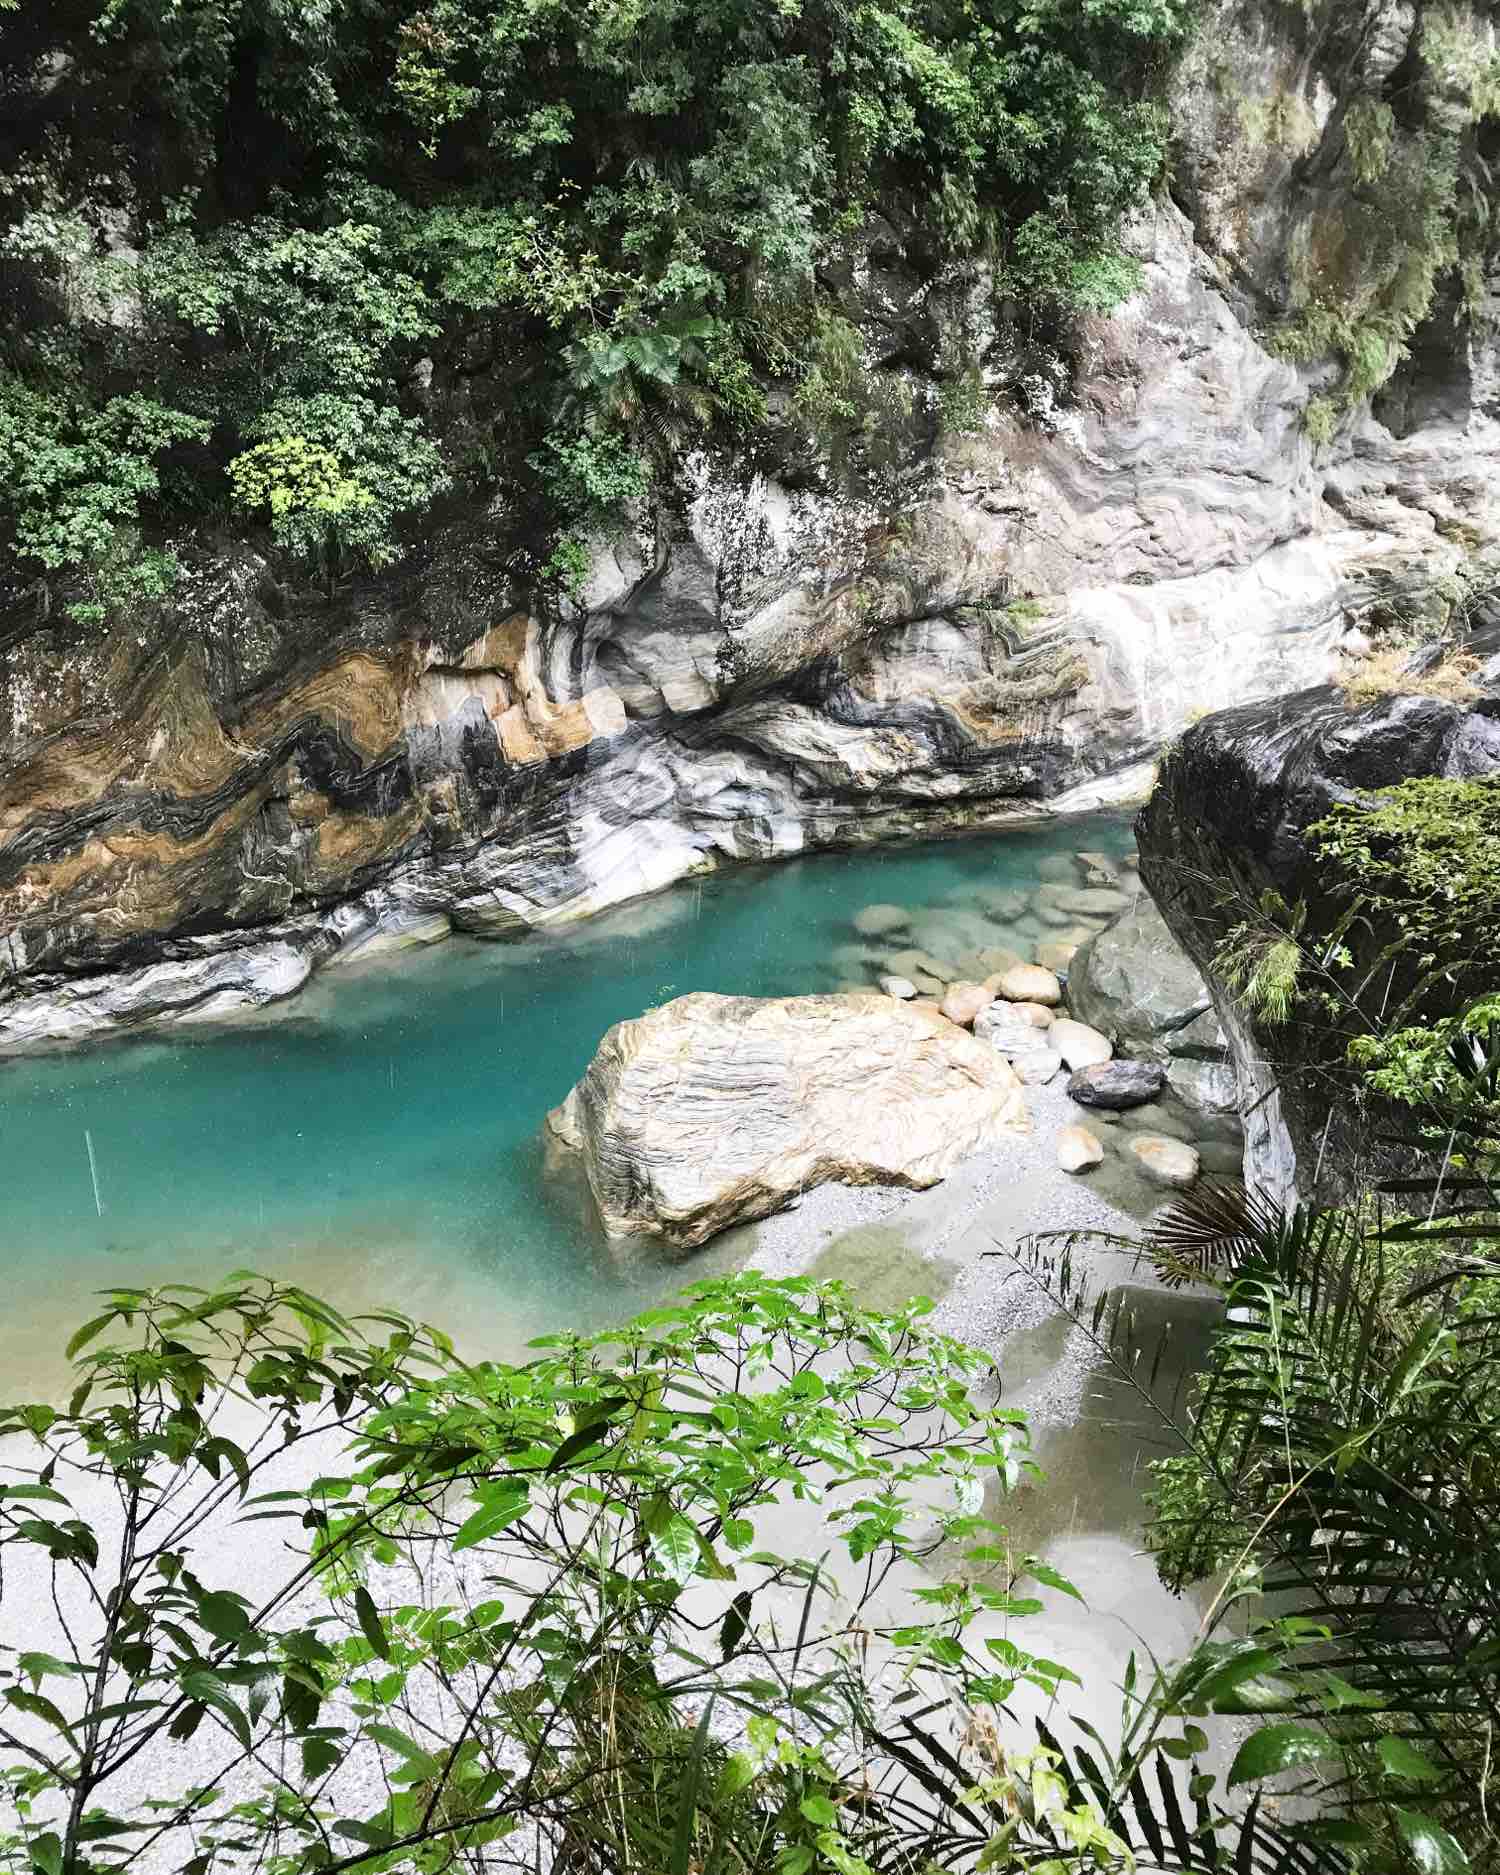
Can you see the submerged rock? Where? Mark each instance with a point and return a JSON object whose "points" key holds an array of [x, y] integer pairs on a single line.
{"points": [[714, 1110], [881, 920], [902, 988], [1169, 1162], [1117, 1084]]}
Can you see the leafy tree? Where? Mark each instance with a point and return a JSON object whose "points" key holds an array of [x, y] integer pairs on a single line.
{"points": [[523, 233], [559, 1609]]}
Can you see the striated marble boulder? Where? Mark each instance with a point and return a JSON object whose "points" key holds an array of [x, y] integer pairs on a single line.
{"points": [[715, 1110]]}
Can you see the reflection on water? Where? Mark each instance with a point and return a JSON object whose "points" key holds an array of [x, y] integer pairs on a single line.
{"points": [[380, 1140]]}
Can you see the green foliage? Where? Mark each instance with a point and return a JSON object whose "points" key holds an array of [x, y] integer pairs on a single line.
{"points": [[1422, 859], [566, 1599], [76, 478], [1370, 131], [516, 226], [1435, 1063], [1341, 1447], [1260, 959], [1367, 269], [335, 474], [1320, 420]]}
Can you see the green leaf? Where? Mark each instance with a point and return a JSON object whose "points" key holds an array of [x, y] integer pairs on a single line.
{"points": [[47, 1853], [499, 1506], [1279, 1748], [1430, 1846], [370, 1623], [40, 1707], [673, 1539], [819, 1810], [739, 1532], [736, 1620], [687, 1800], [738, 1774], [319, 1756], [1402, 1759], [206, 1688], [422, 1762], [81, 1337], [223, 1615]]}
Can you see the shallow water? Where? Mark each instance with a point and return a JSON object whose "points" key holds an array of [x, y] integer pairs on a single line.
{"points": [[380, 1136]]}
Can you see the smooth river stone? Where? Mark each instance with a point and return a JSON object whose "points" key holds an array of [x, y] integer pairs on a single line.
{"points": [[1024, 1045], [880, 920], [1078, 1150], [1117, 1084], [1055, 955], [1029, 983], [900, 987], [963, 1001], [1169, 1162], [1078, 1044], [713, 1110]]}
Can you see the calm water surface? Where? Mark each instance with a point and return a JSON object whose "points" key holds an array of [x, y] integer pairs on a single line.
{"points": [[380, 1136]]}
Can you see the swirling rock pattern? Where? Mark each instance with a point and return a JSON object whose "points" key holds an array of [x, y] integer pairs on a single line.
{"points": [[713, 1110], [202, 804]]}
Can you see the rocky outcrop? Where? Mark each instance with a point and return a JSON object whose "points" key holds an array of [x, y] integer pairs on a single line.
{"points": [[201, 803], [1226, 822], [1134, 982], [714, 1110]]}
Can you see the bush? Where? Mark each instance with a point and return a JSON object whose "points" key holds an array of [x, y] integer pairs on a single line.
{"points": [[577, 222]]}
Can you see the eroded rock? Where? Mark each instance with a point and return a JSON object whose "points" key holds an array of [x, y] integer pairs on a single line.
{"points": [[713, 1110]]}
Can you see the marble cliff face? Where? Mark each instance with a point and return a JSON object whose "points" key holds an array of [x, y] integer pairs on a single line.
{"points": [[198, 809]]}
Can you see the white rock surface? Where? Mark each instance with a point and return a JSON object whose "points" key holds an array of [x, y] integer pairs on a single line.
{"points": [[712, 1110], [900, 987], [1078, 1044], [1029, 983], [1078, 1150]]}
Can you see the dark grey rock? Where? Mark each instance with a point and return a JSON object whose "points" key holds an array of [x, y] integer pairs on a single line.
{"points": [[1134, 983], [1117, 1084]]}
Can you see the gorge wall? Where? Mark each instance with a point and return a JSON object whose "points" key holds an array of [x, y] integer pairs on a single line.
{"points": [[201, 804]]}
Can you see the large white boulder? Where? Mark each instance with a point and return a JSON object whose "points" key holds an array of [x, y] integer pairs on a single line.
{"points": [[712, 1110]]}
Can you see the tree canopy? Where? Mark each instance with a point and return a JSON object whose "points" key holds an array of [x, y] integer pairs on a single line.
{"points": [[305, 267]]}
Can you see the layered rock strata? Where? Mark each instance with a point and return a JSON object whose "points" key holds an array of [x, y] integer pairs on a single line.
{"points": [[201, 803], [716, 1110]]}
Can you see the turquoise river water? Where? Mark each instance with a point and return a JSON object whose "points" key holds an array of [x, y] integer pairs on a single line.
{"points": [[380, 1137]]}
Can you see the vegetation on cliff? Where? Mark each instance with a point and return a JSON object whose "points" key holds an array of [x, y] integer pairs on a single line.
{"points": [[305, 268]]}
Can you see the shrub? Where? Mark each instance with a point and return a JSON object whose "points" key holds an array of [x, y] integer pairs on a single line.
{"points": [[1388, 674]]}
